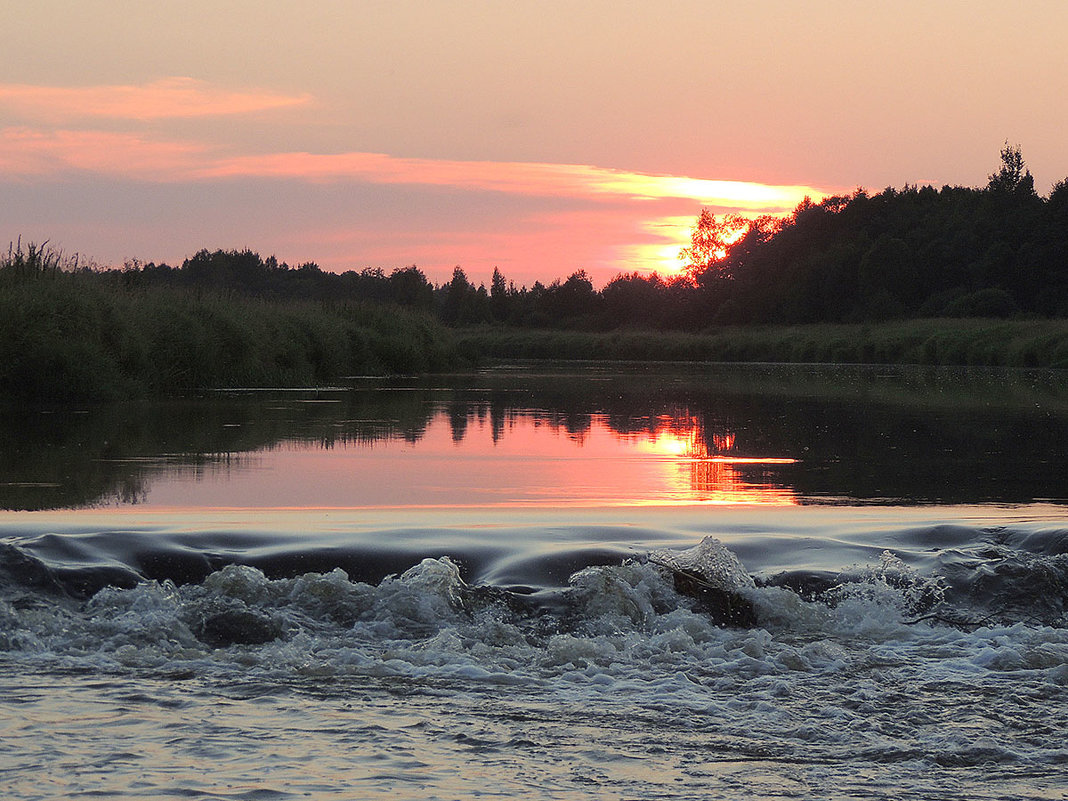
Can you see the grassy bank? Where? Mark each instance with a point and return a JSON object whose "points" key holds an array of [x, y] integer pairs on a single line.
{"points": [[80, 336], [1025, 343], [72, 336]]}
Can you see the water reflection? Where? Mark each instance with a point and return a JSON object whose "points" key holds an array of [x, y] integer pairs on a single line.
{"points": [[598, 436], [707, 465]]}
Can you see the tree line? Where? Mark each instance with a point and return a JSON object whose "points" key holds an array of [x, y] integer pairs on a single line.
{"points": [[996, 251], [1000, 250]]}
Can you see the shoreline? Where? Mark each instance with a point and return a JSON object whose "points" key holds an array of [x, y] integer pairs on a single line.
{"points": [[967, 342]]}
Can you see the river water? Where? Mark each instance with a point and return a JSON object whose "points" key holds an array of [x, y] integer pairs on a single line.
{"points": [[543, 582]]}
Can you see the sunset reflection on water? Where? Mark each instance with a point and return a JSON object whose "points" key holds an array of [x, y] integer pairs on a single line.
{"points": [[704, 464], [528, 437], [473, 457]]}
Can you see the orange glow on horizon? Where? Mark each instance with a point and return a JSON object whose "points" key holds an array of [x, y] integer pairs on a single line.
{"points": [[28, 151], [614, 219], [673, 234], [533, 178]]}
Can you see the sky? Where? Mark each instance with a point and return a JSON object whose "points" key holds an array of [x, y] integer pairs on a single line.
{"points": [[538, 138]]}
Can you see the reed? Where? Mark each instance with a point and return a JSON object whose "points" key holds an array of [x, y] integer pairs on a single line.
{"points": [[73, 334], [943, 341], [66, 336]]}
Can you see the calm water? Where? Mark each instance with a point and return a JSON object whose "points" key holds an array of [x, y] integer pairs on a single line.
{"points": [[456, 587]]}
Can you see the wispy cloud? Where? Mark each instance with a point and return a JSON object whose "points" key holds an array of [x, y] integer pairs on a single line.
{"points": [[33, 153], [26, 152], [530, 178], [166, 98]]}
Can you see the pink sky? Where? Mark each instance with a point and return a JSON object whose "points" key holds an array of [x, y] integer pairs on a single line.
{"points": [[541, 138]]}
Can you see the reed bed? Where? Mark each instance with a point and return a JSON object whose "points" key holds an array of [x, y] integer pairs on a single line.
{"points": [[78, 335], [73, 336], [943, 341]]}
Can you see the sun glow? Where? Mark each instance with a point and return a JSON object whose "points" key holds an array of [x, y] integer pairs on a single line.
{"points": [[704, 465], [661, 255], [612, 220], [671, 234]]}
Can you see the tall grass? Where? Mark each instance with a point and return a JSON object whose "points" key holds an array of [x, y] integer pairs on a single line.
{"points": [[1017, 343], [78, 335], [69, 333]]}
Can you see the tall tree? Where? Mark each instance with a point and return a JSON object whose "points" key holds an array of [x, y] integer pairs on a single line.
{"points": [[463, 303], [499, 296], [411, 288], [710, 242], [1013, 177]]}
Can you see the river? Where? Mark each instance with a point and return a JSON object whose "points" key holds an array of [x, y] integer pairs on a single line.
{"points": [[482, 585]]}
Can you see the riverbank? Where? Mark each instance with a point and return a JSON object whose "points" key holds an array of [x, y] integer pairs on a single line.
{"points": [[966, 342], [70, 337], [74, 336]]}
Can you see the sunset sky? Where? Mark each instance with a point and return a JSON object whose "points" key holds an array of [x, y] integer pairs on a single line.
{"points": [[541, 138]]}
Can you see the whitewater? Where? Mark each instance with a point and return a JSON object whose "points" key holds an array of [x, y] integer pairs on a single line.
{"points": [[931, 662]]}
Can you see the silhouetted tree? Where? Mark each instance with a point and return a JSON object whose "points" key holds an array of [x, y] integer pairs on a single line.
{"points": [[1013, 176], [499, 297], [907, 252], [409, 287], [231, 269], [710, 241], [570, 301], [634, 299], [463, 304]]}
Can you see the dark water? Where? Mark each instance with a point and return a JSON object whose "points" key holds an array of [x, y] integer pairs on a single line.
{"points": [[857, 434], [463, 586]]}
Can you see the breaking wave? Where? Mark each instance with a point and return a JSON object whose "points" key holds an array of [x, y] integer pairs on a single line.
{"points": [[670, 655]]}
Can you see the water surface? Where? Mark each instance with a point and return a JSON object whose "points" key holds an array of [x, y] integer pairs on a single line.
{"points": [[587, 436], [453, 587]]}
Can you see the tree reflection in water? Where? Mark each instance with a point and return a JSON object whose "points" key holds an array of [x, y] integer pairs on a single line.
{"points": [[729, 434]]}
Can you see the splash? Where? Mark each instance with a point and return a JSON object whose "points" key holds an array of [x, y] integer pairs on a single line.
{"points": [[713, 576]]}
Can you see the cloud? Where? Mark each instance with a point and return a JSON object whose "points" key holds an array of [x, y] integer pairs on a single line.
{"points": [[529, 178], [165, 98], [28, 152], [32, 153]]}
